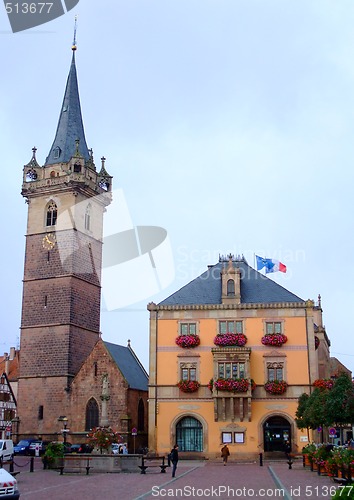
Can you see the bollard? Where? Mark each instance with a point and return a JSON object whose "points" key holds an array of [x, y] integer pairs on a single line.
{"points": [[11, 465], [303, 460], [290, 463], [32, 464], [261, 459]]}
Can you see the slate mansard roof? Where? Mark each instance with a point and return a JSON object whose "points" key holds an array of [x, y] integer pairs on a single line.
{"points": [[255, 288], [129, 365]]}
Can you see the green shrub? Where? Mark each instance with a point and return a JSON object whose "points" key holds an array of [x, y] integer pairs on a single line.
{"points": [[53, 451]]}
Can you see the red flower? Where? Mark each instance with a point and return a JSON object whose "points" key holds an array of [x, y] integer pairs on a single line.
{"points": [[276, 386], [188, 385], [232, 385], [188, 341], [323, 383], [225, 339], [274, 339]]}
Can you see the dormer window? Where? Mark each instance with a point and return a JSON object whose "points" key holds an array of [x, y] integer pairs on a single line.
{"points": [[56, 152], [77, 168], [52, 214], [230, 287]]}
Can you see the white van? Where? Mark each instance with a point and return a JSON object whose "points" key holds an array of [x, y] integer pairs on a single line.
{"points": [[8, 486], [6, 449]]}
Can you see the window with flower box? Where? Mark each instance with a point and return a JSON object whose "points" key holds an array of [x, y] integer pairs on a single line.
{"points": [[231, 370], [273, 327], [188, 373], [188, 328], [230, 327], [275, 371]]}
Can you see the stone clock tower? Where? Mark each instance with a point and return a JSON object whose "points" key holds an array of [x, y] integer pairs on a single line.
{"points": [[60, 323]]}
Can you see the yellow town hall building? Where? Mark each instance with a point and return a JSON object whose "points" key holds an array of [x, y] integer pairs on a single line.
{"points": [[230, 354]]}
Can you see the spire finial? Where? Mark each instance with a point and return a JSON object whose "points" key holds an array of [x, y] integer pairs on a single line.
{"points": [[34, 149], [73, 48]]}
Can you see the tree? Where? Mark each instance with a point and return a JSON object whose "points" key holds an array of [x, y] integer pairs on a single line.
{"points": [[301, 421], [339, 404], [314, 414]]}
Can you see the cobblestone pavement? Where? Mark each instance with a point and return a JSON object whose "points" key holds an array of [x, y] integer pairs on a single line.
{"points": [[194, 479]]}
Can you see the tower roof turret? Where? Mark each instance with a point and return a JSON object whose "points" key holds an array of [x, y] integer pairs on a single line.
{"points": [[70, 126]]}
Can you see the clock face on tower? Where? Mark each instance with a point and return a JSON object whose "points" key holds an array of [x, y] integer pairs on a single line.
{"points": [[49, 241]]}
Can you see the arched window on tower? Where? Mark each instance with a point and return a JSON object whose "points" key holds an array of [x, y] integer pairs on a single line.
{"points": [[141, 415], [92, 415], [230, 287], [52, 214], [88, 218]]}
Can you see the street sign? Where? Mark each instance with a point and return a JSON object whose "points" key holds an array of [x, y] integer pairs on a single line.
{"points": [[332, 431], [134, 431]]}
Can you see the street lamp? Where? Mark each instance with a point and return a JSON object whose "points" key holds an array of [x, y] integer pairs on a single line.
{"points": [[64, 431]]}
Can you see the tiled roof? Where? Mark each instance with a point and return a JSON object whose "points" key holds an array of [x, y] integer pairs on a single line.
{"points": [[70, 124], [13, 367], [129, 365], [255, 288]]}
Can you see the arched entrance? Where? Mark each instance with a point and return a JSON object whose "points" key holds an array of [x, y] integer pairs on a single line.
{"points": [[189, 434], [276, 431]]}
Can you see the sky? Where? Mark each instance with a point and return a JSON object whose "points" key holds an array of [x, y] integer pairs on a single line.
{"points": [[228, 123]]}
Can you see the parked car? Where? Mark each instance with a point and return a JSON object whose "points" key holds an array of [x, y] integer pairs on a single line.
{"points": [[22, 448], [6, 449], [81, 448], [41, 447], [8, 486]]}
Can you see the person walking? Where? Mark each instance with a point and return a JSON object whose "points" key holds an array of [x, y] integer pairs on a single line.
{"points": [[225, 453], [174, 459]]}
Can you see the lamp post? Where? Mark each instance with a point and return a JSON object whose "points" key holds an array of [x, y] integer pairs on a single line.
{"points": [[64, 431]]}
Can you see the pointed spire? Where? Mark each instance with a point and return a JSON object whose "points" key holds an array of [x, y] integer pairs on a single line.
{"points": [[70, 126]]}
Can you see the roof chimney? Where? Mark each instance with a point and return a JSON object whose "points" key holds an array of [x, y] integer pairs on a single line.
{"points": [[7, 363], [12, 353]]}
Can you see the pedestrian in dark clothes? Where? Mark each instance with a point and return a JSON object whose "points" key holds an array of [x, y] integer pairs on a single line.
{"points": [[174, 459]]}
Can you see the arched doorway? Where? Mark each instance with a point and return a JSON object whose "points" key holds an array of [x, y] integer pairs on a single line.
{"points": [[189, 434], [276, 431]]}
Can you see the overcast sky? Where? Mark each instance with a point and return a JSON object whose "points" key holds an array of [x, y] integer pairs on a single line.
{"points": [[229, 123]]}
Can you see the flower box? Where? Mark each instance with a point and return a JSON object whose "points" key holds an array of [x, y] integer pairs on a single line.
{"points": [[276, 386], [230, 339], [323, 383], [274, 339], [188, 341], [232, 385], [188, 385]]}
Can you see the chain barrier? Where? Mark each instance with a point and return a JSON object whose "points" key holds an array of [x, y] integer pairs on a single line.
{"points": [[24, 465]]}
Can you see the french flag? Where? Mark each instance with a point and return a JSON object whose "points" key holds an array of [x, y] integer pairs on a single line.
{"points": [[271, 265]]}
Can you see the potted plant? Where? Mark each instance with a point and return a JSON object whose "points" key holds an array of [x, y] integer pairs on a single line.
{"points": [[53, 455], [308, 452], [230, 339], [274, 339], [276, 386], [320, 457], [188, 385], [188, 341]]}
